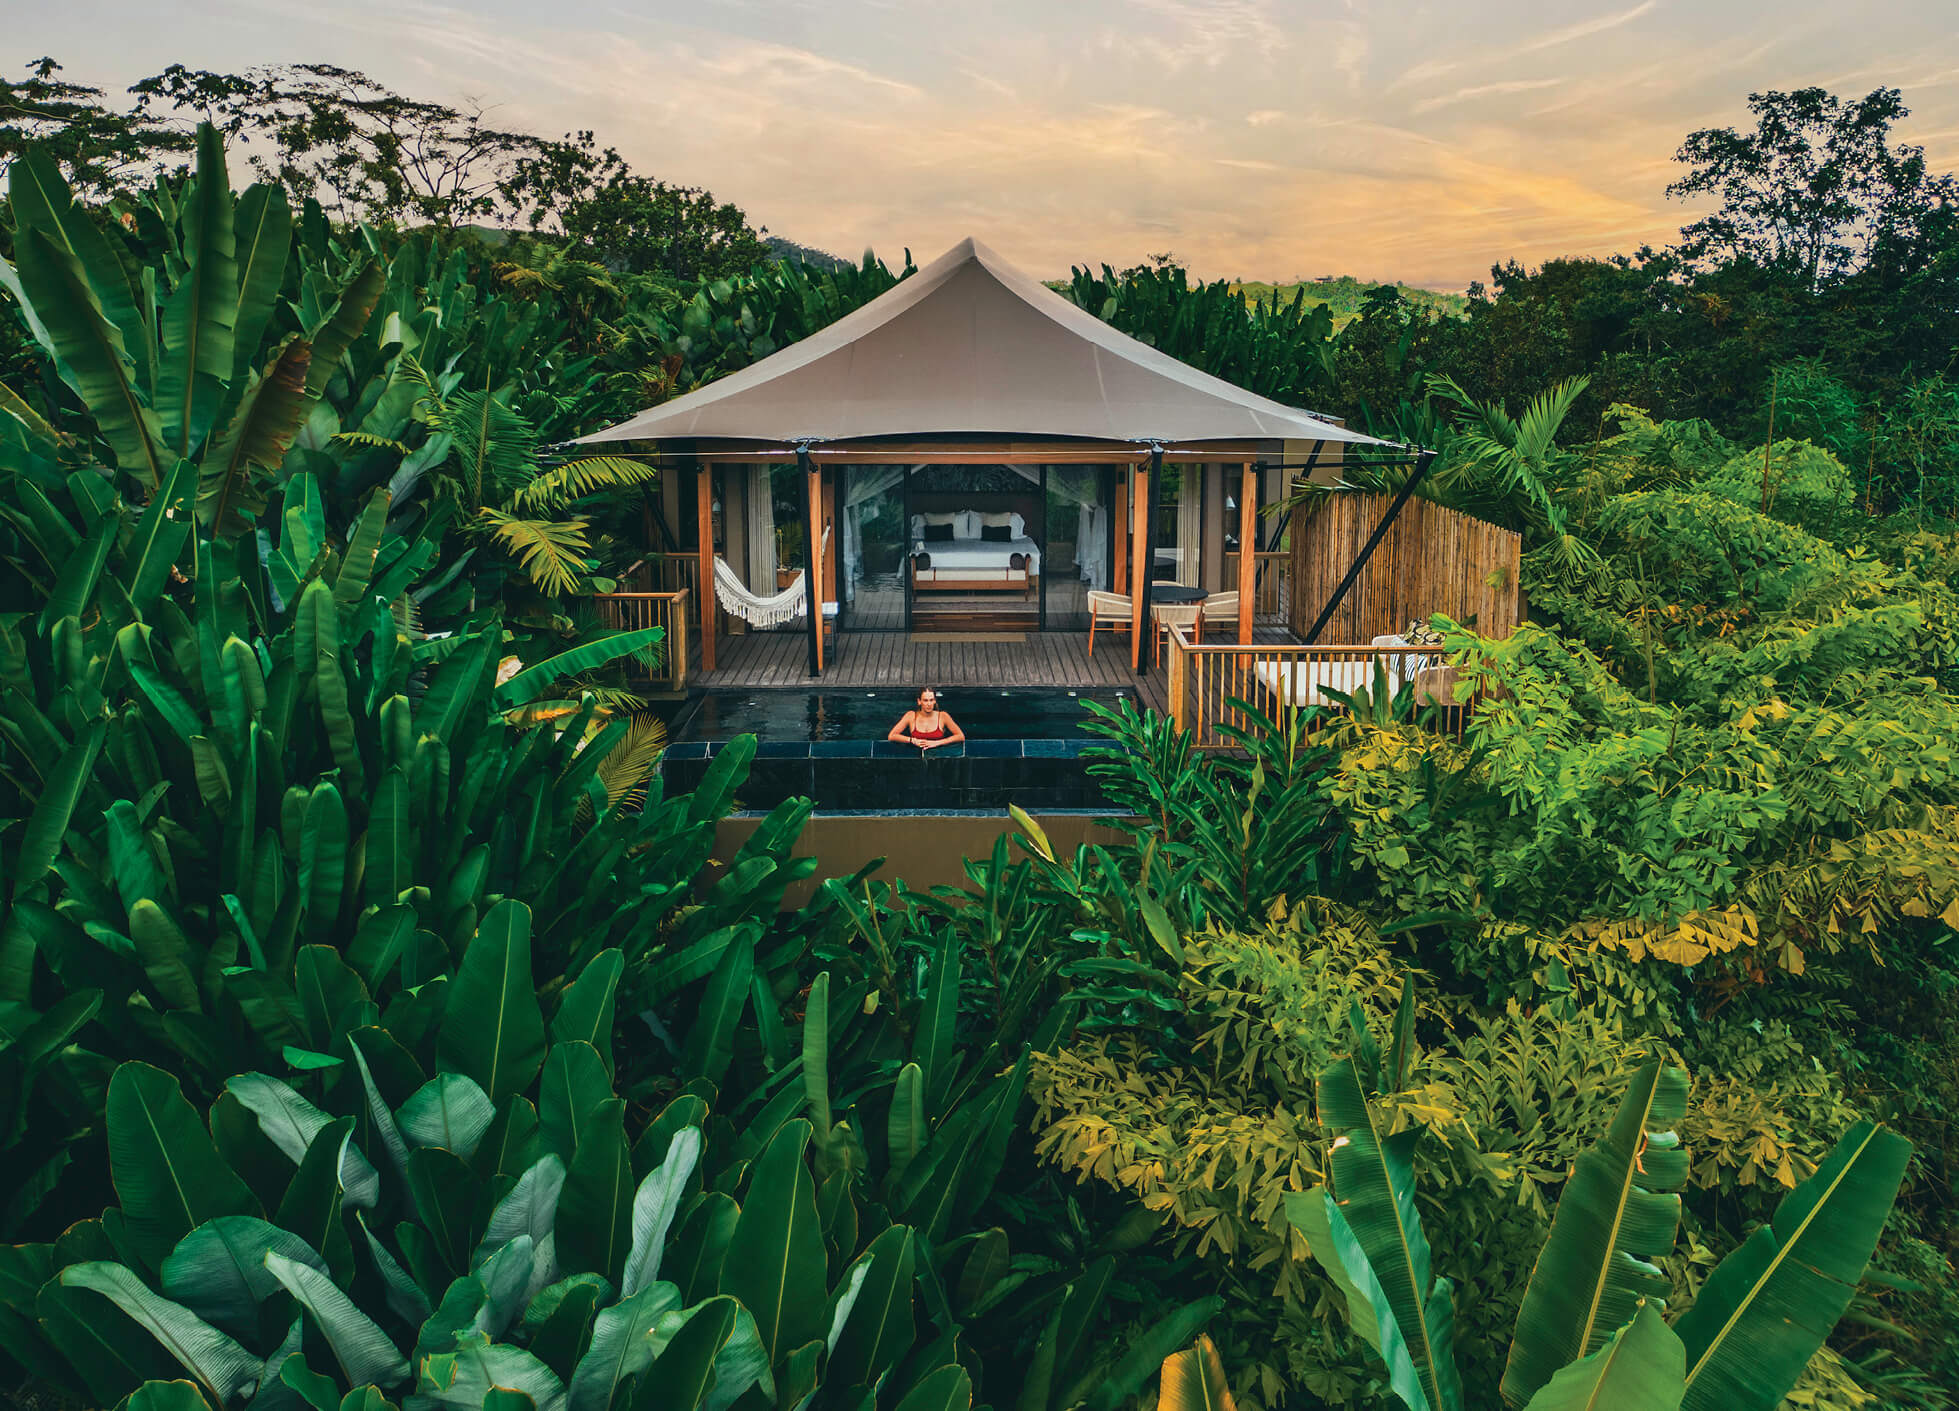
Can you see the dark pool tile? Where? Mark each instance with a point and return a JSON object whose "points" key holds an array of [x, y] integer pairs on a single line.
{"points": [[993, 749], [687, 749], [893, 749], [1046, 749], [841, 749], [782, 749]]}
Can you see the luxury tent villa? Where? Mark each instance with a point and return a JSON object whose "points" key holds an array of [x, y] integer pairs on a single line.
{"points": [[972, 482]]}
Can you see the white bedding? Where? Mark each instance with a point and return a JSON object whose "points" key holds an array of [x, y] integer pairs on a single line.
{"points": [[1301, 683], [950, 555]]}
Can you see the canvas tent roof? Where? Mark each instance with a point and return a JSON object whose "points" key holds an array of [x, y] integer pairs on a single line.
{"points": [[971, 346]]}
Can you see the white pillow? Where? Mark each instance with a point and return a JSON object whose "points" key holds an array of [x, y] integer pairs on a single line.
{"points": [[966, 524], [919, 521], [1010, 521]]}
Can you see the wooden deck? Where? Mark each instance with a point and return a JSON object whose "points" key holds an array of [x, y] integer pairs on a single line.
{"points": [[901, 659]]}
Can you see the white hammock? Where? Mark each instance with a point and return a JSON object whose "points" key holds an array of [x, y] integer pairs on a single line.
{"points": [[782, 607]]}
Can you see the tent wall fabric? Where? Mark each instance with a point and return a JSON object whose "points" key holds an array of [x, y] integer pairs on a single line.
{"points": [[969, 345]]}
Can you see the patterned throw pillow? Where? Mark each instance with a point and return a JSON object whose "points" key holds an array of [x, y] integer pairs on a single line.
{"points": [[1419, 634]]}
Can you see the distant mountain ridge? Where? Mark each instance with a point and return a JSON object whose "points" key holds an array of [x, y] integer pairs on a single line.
{"points": [[789, 251], [1345, 295]]}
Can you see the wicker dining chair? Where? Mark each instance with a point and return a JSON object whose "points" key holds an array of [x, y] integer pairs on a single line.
{"points": [[1112, 611]]}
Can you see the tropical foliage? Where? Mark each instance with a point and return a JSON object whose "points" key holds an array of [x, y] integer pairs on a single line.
{"points": [[375, 1027]]}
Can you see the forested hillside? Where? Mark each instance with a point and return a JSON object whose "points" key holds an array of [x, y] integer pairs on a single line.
{"points": [[376, 1029]]}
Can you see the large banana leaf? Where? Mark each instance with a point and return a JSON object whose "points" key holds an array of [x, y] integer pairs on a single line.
{"points": [[776, 1261], [1374, 1183], [91, 355], [492, 1027], [1767, 1307], [167, 1172], [214, 1358], [594, 1228], [160, 537], [360, 1347], [1193, 1380], [1619, 1211], [47, 826], [197, 316], [654, 1206], [1332, 1241], [41, 200], [533, 681], [229, 494], [263, 229], [880, 1328], [1638, 1368]]}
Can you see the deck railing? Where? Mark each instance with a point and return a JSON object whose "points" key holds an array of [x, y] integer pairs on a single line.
{"points": [[1282, 680], [669, 573], [1271, 582], [630, 612]]}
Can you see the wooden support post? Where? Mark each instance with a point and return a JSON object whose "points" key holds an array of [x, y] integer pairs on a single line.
{"points": [[704, 506], [1140, 559], [1247, 549]]}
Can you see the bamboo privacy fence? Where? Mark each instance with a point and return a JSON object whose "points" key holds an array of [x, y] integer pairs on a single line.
{"points": [[1432, 560]]}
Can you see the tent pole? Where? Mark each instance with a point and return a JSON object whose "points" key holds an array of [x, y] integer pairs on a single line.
{"points": [[812, 507], [704, 538], [1247, 548], [1138, 497], [1423, 461], [1146, 556]]}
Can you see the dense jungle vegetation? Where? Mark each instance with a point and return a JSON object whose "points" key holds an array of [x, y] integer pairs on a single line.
{"points": [[374, 1029]]}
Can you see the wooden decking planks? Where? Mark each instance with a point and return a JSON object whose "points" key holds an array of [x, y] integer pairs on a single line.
{"points": [[897, 660], [777, 660]]}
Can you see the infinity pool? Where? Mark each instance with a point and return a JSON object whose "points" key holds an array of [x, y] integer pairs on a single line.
{"points": [[1023, 747], [1025, 714]]}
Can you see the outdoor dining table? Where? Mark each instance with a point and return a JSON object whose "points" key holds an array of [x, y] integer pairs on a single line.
{"points": [[1177, 595]]}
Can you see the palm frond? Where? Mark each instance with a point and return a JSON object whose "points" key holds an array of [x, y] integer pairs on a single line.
{"points": [[582, 477], [628, 764], [552, 551]]}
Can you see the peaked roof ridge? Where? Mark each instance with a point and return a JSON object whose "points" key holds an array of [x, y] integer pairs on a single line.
{"points": [[945, 353]]}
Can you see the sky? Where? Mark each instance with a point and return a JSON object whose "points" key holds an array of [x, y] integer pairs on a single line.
{"points": [[1255, 139]]}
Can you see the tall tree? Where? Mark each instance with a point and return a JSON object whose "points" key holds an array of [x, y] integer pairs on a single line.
{"points": [[99, 149], [1818, 188]]}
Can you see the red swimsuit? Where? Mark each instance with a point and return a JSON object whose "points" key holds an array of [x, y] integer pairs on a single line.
{"points": [[938, 734]]}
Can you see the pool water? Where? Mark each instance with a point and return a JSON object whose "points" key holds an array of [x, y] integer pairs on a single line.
{"points": [[869, 715], [1023, 747]]}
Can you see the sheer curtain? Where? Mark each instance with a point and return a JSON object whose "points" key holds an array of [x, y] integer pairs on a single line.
{"points": [[865, 483], [1190, 524], [1081, 486], [761, 530]]}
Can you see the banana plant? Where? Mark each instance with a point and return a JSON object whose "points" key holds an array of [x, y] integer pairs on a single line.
{"points": [[168, 366], [1589, 1332], [449, 1199]]}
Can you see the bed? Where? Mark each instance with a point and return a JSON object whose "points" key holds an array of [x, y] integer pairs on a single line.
{"points": [[968, 551], [1297, 684]]}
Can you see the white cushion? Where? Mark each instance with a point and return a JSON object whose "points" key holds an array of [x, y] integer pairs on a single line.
{"points": [[966, 524]]}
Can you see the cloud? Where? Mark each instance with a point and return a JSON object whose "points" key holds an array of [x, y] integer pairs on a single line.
{"points": [[1497, 58], [1264, 117], [1487, 90]]}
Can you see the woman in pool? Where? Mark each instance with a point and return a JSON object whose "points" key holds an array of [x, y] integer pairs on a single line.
{"points": [[928, 727]]}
